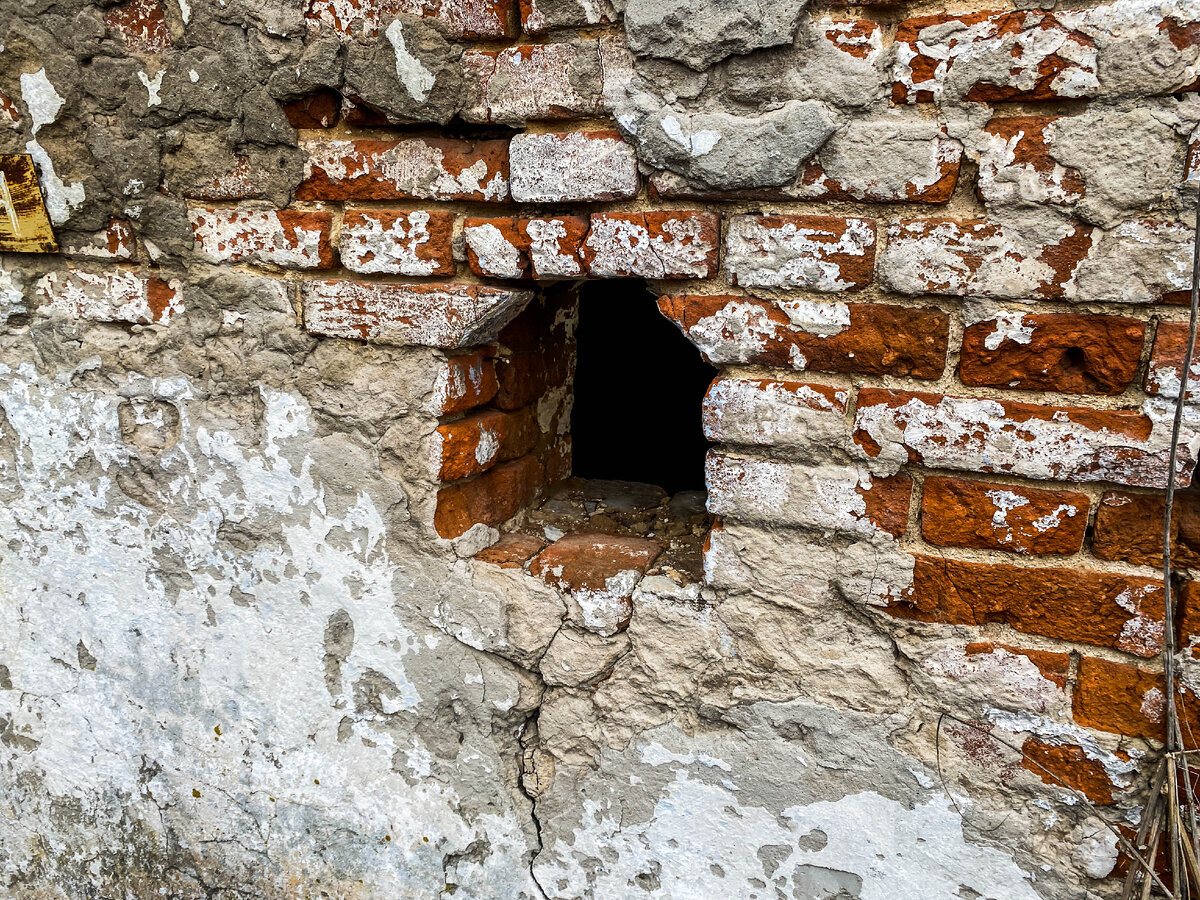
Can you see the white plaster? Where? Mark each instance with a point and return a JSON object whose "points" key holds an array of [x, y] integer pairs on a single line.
{"points": [[41, 99], [61, 198], [153, 86], [417, 79]]}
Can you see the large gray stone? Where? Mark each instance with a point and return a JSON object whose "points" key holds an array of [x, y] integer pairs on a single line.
{"points": [[699, 33]]}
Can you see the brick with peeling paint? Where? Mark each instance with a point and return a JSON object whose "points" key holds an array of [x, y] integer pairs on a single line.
{"points": [[407, 169], [1015, 164], [982, 259], [294, 239], [1126, 699], [572, 166], [675, 244], [462, 383], [116, 242], [832, 498], [1106, 609], [447, 316], [1044, 442], [1014, 518], [141, 25], [458, 18], [392, 242], [872, 338], [534, 82], [819, 253], [475, 443], [543, 248], [116, 295], [767, 412]]}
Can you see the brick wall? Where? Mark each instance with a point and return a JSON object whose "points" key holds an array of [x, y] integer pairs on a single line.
{"points": [[949, 342]]}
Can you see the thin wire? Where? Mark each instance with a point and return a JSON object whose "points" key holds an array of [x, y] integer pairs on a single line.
{"points": [[1174, 736]]}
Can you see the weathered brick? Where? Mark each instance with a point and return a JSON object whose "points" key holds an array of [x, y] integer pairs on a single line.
{"points": [[1022, 55], [674, 244], [462, 383], [599, 573], [1124, 699], [141, 25], [115, 242], [477, 442], [294, 239], [1101, 608], [981, 259], [572, 166], [1164, 373], [320, 109], [116, 295], [871, 338], [398, 243], [834, 498], [1141, 261], [242, 181], [1129, 528], [512, 551], [1015, 165], [494, 497], [1070, 765], [819, 253], [524, 248], [1067, 353], [959, 513], [458, 18], [539, 16], [448, 316], [408, 169], [535, 82], [9, 114], [766, 412], [1055, 443], [1053, 666]]}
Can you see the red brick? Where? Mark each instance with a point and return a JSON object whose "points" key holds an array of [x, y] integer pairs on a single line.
{"points": [[1129, 528], [512, 551], [392, 242], [834, 499], [9, 114], [408, 169], [457, 18], [525, 248], [1057, 443], [1124, 699], [958, 513], [320, 109], [534, 82], [115, 295], [600, 571], [572, 166], [1070, 765], [141, 24], [1017, 165], [1067, 353], [1054, 667], [462, 383], [819, 253], [1165, 370], [294, 239], [1089, 607], [871, 338], [980, 259], [495, 496], [474, 444], [449, 316], [538, 16], [1024, 55], [674, 244]]}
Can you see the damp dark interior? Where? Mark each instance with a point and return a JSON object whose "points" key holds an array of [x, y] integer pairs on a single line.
{"points": [[639, 384]]}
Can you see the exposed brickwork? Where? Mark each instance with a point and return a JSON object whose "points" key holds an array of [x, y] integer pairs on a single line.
{"points": [[820, 253], [141, 25], [1018, 165], [496, 495], [1127, 699], [652, 245], [288, 238], [960, 513], [1109, 610], [572, 166], [1164, 373], [801, 334], [459, 18], [1129, 528], [1071, 354], [116, 295], [1070, 765], [476, 443], [512, 551], [463, 382], [398, 243]]}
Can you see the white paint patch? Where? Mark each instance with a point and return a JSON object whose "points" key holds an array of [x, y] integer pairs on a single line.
{"points": [[41, 99], [153, 86], [417, 79], [1010, 326], [61, 198]]}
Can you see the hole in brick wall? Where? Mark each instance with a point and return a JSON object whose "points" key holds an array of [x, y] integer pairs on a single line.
{"points": [[639, 384]]}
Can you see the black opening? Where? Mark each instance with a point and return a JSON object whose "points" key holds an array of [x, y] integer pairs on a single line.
{"points": [[639, 384]]}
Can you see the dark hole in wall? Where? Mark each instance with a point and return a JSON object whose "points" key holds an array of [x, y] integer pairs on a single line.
{"points": [[639, 384]]}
